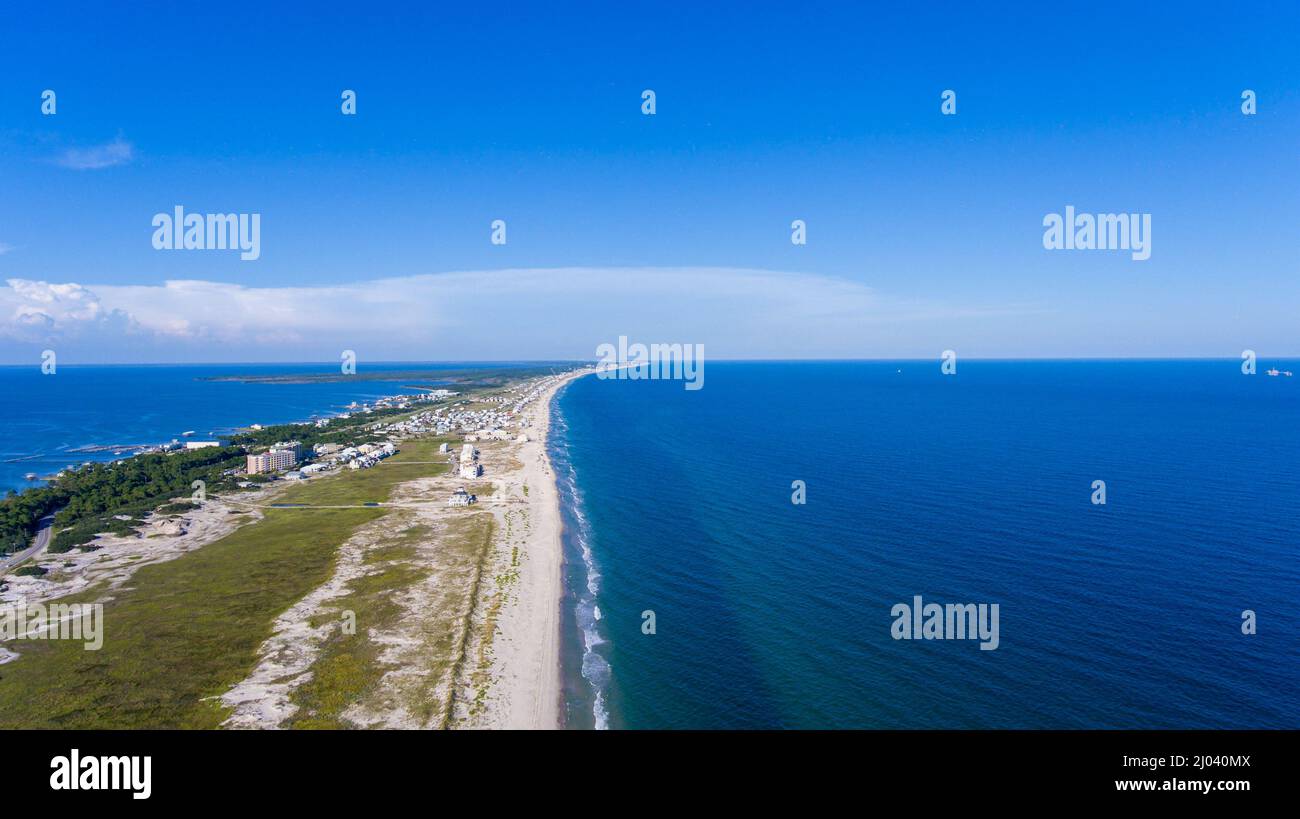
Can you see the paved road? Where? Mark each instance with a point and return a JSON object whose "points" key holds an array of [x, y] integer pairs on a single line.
{"points": [[38, 546]]}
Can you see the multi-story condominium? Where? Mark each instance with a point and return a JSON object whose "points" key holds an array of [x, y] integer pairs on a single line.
{"points": [[258, 464], [275, 460]]}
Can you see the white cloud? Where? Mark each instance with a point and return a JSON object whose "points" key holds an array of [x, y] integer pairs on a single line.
{"points": [[4, 248], [38, 310], [117, 152], [506, 314]]}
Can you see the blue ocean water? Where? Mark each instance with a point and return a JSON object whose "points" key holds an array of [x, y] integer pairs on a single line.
{"points": [[47, 416], [972, 488]]}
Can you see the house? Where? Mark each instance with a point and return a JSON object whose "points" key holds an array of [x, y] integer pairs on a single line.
{"points": [[461, 498], [443, 449], [470, 470]]}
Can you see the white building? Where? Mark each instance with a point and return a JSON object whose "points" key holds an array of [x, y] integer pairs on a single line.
{"points": [[461, 498], [201, 444], [470, 470]]}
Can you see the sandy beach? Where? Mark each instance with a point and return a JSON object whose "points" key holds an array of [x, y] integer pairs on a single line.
{"points": [[456, 609], [527, 662], [501, 606]]}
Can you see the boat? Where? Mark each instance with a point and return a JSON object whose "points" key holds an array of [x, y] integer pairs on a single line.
{"points": [[187, 433], [32, 476], [1274, 372]]}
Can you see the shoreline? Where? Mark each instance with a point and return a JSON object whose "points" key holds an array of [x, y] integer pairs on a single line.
{"points": [[506, 671], [529, 661], [368, 393]]}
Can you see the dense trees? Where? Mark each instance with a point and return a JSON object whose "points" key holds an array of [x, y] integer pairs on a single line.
{"points": [[95, 498], [87, 498]]}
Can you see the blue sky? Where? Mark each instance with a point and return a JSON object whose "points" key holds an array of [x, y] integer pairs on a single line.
{"points": [[924, 231]]}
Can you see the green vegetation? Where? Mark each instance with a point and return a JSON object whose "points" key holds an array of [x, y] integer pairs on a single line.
{"points": [[89, 499], [458, 379], [176, 508], [337, 430], [32, 571], [21, 514], [474, 534], [188, 629], [349, 669], [349, 665]]}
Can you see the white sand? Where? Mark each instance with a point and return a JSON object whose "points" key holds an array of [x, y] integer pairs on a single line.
{"points": [[509, 673], [526, 651], [510, 677], [117, 558]]}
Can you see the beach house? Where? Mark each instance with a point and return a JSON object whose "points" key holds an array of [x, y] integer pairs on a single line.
{"points": [[461, 498]]}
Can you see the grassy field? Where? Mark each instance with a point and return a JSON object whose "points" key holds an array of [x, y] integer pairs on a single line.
{"points": [[349, 668], [189, 629]]}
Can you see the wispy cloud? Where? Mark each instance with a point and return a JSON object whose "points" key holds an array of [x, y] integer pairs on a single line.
{"points": [[4, 248], [504, 314], [117, 152]]}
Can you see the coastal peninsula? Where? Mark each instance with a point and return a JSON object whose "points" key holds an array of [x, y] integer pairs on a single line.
{"points": [[375, 595]]}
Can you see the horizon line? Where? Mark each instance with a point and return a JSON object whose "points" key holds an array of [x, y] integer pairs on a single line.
{"points": [[757, 360]]}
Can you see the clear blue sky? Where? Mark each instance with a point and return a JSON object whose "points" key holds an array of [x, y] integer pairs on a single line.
{"points": [[766, 113]]}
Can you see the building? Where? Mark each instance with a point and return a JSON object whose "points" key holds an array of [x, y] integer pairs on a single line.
{"points": [[201, 444], [461, 498], [468, 453], [294, 448], [470, 470], [274, 460], [443, 449]]}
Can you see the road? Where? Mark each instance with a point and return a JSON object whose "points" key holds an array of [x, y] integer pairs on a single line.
{"points": [[39, 544]]}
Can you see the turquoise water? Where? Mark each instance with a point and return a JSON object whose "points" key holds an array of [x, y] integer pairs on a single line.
{"points": [[973, 488]]}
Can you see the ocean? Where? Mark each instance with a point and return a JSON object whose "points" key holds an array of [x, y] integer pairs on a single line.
{"points": [[48, 417], [972, 488]]}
